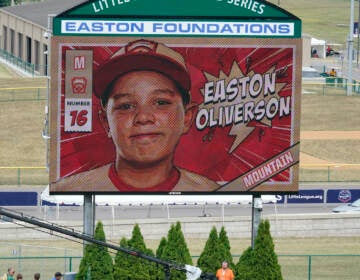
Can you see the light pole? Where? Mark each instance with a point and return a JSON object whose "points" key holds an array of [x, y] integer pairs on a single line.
{"points": [[46, 134], [358, 39], [350, 50]]}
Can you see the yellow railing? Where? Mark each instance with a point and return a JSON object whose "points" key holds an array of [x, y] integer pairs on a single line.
{"points": [[23, 175], [11, 94]]}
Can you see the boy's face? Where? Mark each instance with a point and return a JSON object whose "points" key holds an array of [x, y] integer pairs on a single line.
{"points": [[146, 117]]}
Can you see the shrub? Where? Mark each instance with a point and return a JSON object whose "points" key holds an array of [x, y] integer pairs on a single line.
{"points": [[132, 267], [96, 262], [176, 250], [210, 258], [260, 263]]}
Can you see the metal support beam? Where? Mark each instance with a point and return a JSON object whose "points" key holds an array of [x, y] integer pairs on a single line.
{"points": [[89, 215], [192, 272], [350, 50], [256, 217]]}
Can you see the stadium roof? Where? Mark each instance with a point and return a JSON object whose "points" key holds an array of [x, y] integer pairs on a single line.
{"points": [[37, 12]]}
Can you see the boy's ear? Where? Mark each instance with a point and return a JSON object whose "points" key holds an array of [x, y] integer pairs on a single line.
{"points": [[190, 112], [104, 121]]}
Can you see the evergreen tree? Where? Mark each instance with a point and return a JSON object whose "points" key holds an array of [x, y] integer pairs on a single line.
{"points": [[244, 268], [121, 264], [4, 3], [224, 244], [176, 250], [85, 263], [141, 269], [267, 266], [260, 263], [96, 261], [160, 254], [161, 247], [132, 267], [210, 258]]}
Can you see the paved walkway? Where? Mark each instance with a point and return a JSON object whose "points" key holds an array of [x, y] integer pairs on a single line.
{"points": [[324, 135], [330, 135]]}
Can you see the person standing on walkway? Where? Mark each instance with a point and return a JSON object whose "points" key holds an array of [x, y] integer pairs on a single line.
{"points": [[225, 273], [9, 275], [57, 276]]}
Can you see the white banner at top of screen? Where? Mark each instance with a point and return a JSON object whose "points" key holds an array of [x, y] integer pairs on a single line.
{"points": [[177, 28]]}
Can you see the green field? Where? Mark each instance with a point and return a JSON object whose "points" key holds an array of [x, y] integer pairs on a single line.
{"points": [[326, 19], [21, 125], [22, 121], [21, 144], [293, 255]]}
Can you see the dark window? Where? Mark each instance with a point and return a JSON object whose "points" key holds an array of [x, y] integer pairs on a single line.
{"points": [[28, 49], [20, 45], [37, 55], [5, 36], [12, 41]]}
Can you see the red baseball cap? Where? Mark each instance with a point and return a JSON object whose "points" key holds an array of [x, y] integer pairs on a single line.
{"points": [[142, 55]]}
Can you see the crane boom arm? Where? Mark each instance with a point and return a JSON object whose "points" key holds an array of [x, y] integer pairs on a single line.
{"points": [[190, 271]]}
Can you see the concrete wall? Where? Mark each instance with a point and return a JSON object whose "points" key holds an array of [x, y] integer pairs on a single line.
{"points": [[306, 50], [237, 227], [27, 29]]}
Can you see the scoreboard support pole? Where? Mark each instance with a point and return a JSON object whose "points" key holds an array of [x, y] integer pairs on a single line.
{"points": [[256, 217], [89, 216]]}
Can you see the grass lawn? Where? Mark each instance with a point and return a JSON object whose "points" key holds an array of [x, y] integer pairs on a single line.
{"points": [[21, 144], [329, 112], [22, 121], [21, 124], [337, 151], [293, 267], [325, 19]]}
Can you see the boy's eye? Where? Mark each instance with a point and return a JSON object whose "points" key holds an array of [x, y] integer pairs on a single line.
{"points": [[125, 106], [163, 102]]}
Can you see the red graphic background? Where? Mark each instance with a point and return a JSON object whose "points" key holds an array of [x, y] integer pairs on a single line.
{"points": [[204, 152]]}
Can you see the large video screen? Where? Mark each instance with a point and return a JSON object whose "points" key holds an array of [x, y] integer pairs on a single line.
{"points": [[161, 115]]}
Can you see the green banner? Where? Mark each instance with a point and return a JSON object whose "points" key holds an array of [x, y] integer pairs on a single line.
{"points": [[209, 18]]}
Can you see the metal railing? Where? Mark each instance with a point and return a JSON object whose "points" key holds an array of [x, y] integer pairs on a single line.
{"points": [[46, 266], [330, 86], [321, 266], [23, 175], [22, 94], [329, 172], [18, 62], [293, 266]]}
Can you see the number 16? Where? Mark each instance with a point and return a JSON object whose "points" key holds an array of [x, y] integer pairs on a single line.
{"points": [[79, 118]]}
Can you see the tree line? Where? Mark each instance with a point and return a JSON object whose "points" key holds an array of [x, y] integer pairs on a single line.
{"points": [[258, 263], [4, 3]]}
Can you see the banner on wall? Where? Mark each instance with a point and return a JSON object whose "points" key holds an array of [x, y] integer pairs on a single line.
{"points": [[342, 195], [306, 196]]}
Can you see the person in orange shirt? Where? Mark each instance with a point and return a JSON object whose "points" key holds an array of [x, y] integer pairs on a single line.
{"points": [[332, 73], [225, 273]]}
